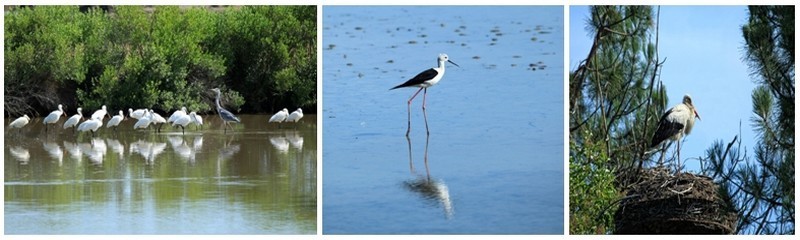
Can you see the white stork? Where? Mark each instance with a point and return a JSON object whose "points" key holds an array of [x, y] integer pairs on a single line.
{"points": [[676, 123]]}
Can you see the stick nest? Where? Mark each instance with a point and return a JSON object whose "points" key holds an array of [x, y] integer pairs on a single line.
{"points": [[663, 203]]}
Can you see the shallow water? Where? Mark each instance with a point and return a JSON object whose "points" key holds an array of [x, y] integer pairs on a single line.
{"points": [[495, 152], [259, 180]]}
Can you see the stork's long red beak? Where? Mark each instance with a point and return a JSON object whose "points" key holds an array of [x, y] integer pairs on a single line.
{"points": [[697, 115]]}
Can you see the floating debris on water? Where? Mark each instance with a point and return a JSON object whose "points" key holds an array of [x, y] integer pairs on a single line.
{"points": [[359, 28], [422, 36], [349, 64], [476, 57], [516, 56], [390, 61], [331, 46], [412, 42]]}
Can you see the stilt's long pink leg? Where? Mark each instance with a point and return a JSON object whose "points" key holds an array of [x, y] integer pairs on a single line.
{"points": [[425, 113], [409, 110]]}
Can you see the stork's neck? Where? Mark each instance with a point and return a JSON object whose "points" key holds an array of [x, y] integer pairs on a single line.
{"points": [[441, 65]]}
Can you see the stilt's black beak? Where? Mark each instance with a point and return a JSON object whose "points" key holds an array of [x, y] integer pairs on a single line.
{"points": [[453, 63]]}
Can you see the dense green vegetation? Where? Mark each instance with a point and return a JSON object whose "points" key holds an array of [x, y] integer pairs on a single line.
{"points": [[165, 57]]}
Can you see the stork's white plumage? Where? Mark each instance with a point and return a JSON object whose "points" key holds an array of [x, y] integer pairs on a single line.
{"points": [[676, 123]]}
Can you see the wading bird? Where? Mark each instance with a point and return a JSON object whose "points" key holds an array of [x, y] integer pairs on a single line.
{"points": [[53, 117], [114, 122], [424, 80], [184, 121], [73, 121], [20, 122], [676, 123], [295, 116], [197, 119], [226, 116], [143, 122], [280, 116], [91, 125], [100, 113], [138, 114], [157, 120], [176, 115]]}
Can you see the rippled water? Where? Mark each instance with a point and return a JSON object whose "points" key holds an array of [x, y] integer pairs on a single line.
{"points": [[259, 180], [493, 163]]}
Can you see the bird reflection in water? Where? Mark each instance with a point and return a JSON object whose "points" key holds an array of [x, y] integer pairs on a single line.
{"points": [[21, 154], [432, 190]]}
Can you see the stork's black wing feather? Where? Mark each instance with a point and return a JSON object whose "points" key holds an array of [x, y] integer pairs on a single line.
{"points": [[666, 129], [419, 79]]}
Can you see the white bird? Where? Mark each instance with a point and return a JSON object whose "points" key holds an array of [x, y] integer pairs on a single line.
{"points": [[53, 117], [295, 116], [20, 122], [157, 119], [100, 113], [138, 114], [280, 116], [198, 120], [114, 122], [183, 121], [72, 121], [91, 125], [227, 116], [676, 123], [424, 80], [176, 115], [144, 121]]}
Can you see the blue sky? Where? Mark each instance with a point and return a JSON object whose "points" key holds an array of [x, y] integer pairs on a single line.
{"points": [[703, 47]]}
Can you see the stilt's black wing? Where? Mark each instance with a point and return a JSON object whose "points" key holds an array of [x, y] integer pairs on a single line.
{"points": [[666, 129], [419, 79]]}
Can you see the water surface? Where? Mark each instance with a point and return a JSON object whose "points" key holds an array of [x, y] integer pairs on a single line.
{"points": [[260, 179], [493, 163]]}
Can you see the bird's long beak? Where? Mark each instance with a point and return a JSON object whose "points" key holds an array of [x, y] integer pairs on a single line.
{"points": [[697, 115], [453, 63]]}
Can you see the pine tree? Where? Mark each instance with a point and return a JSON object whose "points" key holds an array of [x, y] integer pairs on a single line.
{"points": [[761, 188], [613, 98]]}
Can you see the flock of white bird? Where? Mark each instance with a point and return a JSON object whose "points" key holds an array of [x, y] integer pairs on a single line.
{"points": [[144, 119]]}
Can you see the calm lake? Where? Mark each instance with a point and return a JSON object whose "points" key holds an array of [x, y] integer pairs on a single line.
{"points": [[259, 180], [493, 163]]}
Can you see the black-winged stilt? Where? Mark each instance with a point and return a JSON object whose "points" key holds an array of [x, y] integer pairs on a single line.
{"points": [[424, 80]]}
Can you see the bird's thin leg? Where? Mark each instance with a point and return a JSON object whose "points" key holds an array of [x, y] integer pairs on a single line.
{"points": [[678, 168], [424, 112], [409, 111], [663, 152], [410, 159], [427, 170]]}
